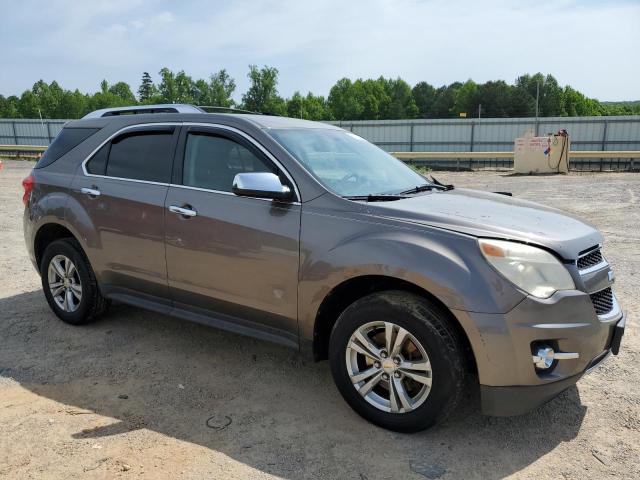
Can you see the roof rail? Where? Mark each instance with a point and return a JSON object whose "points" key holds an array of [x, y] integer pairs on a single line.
{"points": [[140, 109], [216, 109]]}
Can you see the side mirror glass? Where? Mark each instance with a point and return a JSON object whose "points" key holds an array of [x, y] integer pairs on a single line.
{"points": [[261, 185]]}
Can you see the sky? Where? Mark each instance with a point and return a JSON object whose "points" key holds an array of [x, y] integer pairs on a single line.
{"points": [[594, 46]]}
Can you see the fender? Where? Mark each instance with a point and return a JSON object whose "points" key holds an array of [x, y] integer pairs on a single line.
{"points": [[448, 265]]}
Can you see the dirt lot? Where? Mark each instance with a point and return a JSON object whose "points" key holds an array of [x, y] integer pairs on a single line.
{"points": [[135, 395]]}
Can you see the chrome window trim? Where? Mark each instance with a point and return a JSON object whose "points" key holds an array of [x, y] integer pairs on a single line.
{"points": [[222, 192], [196, 124]]}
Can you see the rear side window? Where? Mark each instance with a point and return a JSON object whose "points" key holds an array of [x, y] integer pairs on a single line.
{"points": [[67, 139], [142, 155]]}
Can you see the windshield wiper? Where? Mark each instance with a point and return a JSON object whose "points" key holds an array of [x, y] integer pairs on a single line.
{"points": [[435, 185], [444, 186], [420, 188], [377, 197]]}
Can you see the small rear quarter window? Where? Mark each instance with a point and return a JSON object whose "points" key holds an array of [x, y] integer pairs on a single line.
{"points": [[67, 139]]}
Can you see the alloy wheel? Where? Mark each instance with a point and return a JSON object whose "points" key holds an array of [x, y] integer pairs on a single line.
{"points": [[388, 367], [64, 283]]}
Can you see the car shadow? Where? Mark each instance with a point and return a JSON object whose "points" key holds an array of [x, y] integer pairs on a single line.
{"points": [[257, 403]]}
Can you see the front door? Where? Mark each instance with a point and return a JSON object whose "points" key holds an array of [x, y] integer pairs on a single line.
{"points": [[230, 256]]}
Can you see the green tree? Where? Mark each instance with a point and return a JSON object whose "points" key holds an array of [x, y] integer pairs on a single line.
{"points": [[576, 104], [105, 98], [167, 90], [262, 95], [296, 106], [185, 88], [221, 88], [123, 91], [424, 96], [342, 100], [494, 98], [521, 103], [550, 100], [399, 99], [28, 106], [316, 108], [147, 89], [373, 98], [48, 97], [9, 107], [443, 102], [465, 99], [72, 105]]}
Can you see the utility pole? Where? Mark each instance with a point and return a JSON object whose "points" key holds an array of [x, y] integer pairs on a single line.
{"points": [[537, 98], [479, 110]]}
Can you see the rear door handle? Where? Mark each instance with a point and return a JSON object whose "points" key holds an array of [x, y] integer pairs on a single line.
{"points": [[185, 212], [92, 192]]}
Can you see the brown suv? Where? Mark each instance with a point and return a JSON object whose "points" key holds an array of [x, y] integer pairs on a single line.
{"points": [[307, 235]]}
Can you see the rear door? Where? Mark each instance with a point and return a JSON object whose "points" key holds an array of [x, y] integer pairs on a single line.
{"points": [[234, 257], [122, 189]]}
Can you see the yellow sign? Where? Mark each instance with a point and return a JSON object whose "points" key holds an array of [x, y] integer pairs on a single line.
{"points": [[463, 114]]}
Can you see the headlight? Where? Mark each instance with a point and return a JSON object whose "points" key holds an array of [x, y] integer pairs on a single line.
{"points": [[534, 270]]}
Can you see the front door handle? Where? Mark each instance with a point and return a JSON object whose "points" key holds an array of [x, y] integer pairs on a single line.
{"points": [[92, 192], [185, 212]]}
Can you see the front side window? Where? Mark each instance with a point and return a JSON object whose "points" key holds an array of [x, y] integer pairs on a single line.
{"points": [[213, 161], [347, 164]]}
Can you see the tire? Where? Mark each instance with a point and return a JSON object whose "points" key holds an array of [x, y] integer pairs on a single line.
{"points": [[84, 304], [428, 331]]}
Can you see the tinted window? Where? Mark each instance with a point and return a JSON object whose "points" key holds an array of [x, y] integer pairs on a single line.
{"points": [[98, 163], [141, 156], [212, 162], [64, 142]]}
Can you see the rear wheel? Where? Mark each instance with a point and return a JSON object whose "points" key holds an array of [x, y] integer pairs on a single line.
{"points": [[397, 361], [69, 283]]}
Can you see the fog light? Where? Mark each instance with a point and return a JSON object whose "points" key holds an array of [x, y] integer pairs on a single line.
{"points": [[544, 356], [543, 359]]}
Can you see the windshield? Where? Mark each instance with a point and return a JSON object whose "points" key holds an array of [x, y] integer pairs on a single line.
{"points": [[347, 164]]}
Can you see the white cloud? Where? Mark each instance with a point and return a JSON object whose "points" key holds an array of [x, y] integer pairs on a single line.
{"points": [[587, 44]]}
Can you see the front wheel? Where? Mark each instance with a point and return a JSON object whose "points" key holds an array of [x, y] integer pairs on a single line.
{"points": [[397, 361]]}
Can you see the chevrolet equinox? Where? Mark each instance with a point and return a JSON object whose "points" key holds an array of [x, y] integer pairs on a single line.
{"points": [[307, 235]]}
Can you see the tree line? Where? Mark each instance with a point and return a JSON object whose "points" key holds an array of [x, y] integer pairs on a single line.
{"points": [[361, 99]]}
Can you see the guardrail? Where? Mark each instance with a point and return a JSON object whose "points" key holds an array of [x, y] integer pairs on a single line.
{"points": [[617, 159], [579, 160]]}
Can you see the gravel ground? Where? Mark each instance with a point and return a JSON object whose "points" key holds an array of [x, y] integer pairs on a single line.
{"points": [[140, 395]]}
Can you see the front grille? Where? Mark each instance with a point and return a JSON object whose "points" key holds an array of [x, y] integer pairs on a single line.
{"points": [[602, 301], [590, 259]]}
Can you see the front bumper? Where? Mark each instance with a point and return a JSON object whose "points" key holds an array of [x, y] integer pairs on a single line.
{"points": [[502, 346], [515, 400]]}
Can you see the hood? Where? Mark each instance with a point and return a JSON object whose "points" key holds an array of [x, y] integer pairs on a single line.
{"points": [[484, 214]]}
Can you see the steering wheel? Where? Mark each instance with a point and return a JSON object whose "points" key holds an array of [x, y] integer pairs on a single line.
{"points": [[349, 176]]}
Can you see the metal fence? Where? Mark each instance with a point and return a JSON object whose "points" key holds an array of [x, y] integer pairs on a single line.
{"points": [[498, 134], [29, 131], [620, 133]]}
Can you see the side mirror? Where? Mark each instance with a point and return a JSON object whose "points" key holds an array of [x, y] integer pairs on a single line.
{"points": [[261, 185]]}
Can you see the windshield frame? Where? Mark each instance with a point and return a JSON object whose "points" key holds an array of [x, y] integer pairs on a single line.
{"points": [[420, 180]]}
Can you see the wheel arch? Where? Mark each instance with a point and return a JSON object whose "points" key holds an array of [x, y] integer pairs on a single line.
{"points": [[47, 233], [347, 292]]}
